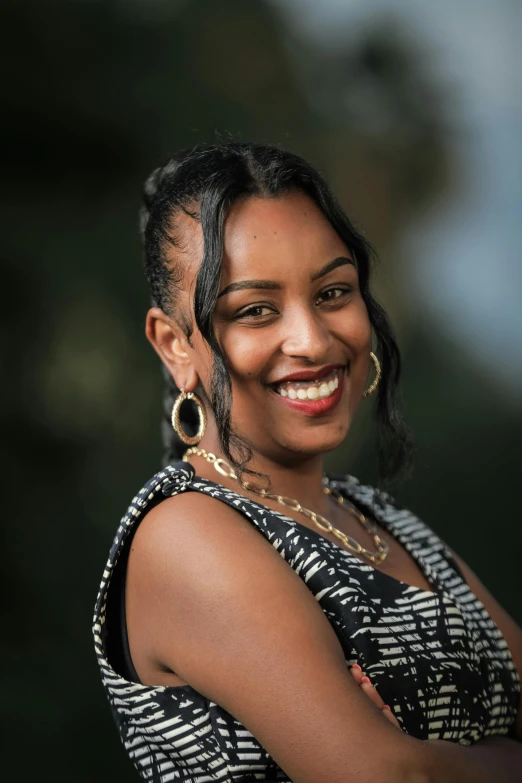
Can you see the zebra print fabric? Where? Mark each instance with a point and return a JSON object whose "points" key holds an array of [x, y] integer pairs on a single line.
{"points": [[436, 657]]}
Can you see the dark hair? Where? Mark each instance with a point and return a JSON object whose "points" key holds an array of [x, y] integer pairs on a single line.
{"points": [[204, 182]]}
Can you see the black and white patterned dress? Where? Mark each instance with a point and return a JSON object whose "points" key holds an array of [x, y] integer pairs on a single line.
{"points": [[437, 658]]}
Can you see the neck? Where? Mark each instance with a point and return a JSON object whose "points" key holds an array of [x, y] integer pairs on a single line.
{"points": [[300, 478]]}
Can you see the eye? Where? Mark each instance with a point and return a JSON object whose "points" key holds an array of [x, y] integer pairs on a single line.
{"points": [[258, 311], [333, 294]]}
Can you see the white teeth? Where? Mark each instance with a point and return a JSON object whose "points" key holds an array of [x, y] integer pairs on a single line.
{"points": [[315, 392]]}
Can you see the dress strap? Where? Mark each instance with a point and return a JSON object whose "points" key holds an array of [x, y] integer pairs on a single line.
{"points": [[424, 545], [171, 480]]}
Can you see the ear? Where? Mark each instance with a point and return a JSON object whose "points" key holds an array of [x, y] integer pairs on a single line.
{"points": [[171, 344]]}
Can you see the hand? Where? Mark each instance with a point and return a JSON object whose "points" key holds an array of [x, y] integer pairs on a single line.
{"points": [[367, 688]]}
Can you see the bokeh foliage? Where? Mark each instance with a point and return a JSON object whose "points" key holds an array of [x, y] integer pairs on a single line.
{"points": [[95, 95]]}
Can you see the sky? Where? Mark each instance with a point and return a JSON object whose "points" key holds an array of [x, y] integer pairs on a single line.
{"points": [[464, 257]]}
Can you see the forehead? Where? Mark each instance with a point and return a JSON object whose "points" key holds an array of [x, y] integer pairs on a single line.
{"points": [[263, 238], [269, 237]]}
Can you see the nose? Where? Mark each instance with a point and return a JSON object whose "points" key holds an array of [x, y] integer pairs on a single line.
{"points": [[306, 336]]}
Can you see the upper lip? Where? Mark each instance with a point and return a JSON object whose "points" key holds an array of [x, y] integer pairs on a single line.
{"points": [[308, 375]]}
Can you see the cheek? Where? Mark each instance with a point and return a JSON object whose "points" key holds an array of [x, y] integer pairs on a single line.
{"points": [[247, 353], [352, 326], [363, 331]]}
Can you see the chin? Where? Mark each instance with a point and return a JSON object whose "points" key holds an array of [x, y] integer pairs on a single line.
{"points": [[312, 443]]}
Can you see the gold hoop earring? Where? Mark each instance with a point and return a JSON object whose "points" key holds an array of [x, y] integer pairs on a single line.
{"points": [[377, 378], [176, 423]]}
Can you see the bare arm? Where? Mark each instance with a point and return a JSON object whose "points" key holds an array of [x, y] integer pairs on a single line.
{"points": [[220, 607], [493, 759]]}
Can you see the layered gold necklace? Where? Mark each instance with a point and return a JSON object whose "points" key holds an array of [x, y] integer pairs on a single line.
{"points": [[375, 558]]}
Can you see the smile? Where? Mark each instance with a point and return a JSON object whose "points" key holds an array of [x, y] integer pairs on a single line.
{"points": [[312, 397], [310, 390]]}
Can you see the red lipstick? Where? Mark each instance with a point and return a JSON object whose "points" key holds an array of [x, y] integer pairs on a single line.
{"points": [[308, 375], [315, 407]]}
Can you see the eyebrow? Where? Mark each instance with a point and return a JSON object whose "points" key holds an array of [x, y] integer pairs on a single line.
{"points": [[340, 261], [273, 285]]}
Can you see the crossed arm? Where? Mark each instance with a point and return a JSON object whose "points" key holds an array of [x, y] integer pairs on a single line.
{"points": [[205, 591], [499, 758]]}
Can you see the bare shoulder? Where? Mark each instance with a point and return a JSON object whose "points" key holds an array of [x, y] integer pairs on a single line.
{"points": [[196, 542], [190, 521], [218, 605], [198, 568]]}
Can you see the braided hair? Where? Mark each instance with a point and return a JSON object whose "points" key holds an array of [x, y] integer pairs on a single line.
{"points": [[204, 182]]}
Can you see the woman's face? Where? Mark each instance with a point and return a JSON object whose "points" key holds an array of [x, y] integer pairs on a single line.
{"points": [[292, 325]]}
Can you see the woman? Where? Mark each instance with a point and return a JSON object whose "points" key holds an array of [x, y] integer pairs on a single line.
{"points": [[231, 656]]}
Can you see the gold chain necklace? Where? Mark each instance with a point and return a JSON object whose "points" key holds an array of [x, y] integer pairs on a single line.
{"points": [[375, 558]]}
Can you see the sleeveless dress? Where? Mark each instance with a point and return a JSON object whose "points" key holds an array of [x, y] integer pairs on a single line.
{"points": [[437, 658]]}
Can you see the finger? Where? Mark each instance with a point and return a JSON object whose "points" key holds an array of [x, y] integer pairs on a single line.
{"points": [[357, 673], [388, 714], [371, 692]]}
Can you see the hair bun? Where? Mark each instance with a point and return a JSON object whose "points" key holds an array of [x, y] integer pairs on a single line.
{"points": [[152, 188]]}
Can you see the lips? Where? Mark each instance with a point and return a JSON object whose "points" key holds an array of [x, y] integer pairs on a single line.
{"points": [[312, 397], [312, 390], [308, 375]]}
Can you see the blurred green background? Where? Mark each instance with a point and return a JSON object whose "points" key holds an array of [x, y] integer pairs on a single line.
{"points": [[416, 124]]}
